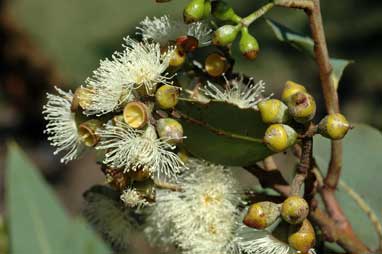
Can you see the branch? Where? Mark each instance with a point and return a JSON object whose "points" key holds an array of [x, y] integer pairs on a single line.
{"points": [[298, 4]]}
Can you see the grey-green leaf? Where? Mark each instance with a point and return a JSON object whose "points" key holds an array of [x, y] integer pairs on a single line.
{"points": [[223, 133], [305, 44], [361, 171]]}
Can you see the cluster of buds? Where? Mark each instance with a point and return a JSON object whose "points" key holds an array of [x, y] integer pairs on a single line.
{"points": [[294, 210]]}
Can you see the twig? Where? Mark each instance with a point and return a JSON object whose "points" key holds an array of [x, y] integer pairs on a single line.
{"points": [[299, 4], [167, 186]]}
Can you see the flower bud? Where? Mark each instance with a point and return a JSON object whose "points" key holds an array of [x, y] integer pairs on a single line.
{"points": [[136, 114], [302, 107], [194, 11], [291, 88], [303, 238], [87, 132], [222, 11], [273, 111], [261, 215], [248, 45], [170, 129], [178, 57], [294, 210], [334, 126], [187, 43], [207, 9], [215, 64], [167, 96], [279, 137], [81, 98], [225, 35]]}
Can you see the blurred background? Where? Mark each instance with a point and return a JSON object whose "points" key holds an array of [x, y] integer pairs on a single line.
{"points": [[46, 43]]}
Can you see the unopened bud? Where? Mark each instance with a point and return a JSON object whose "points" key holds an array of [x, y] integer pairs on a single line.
{"points": [[178, 57], [194, 11], [170, 130], [222, 11], [334, 126], [167, 96], [261, 215], [248, 44], [207, 9], [81, 98], [303, 238], [279, 137], [294, 210], [87, 132], [302, 107], [273, 111], [136, 114], [215, 64], [225, 35], [290, 88]]}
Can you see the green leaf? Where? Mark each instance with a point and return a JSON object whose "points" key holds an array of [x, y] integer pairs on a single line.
{"points": [[362, 163], [38, 223], [223, 133], [305, 44]]}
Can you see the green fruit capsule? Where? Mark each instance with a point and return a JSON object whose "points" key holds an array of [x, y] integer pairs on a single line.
{"points": [[279, 137], [194, 11], [303, 238], [222, 11], [261, 215], [290, 88], [334, 126], [273, 111], [166, 96], [302, 107], [294, 210], [248, 44], [225, 35], [170, 130]]}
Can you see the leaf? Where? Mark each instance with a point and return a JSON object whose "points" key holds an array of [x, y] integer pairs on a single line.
{"points": [[362, 163], [38, 223], [223, 133], [305, 44]]}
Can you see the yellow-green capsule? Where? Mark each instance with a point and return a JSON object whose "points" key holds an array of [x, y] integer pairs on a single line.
{"points": [[194, 11], [261, 215], [334, 126], [136, 114], [87, 132], [294, 210], [166, 96], [178, 57], [273, 111], [279, 137], [215, 64], [222, 11], [248, 45], [170, 130], [290, 88], [302, 107], [225, 35], [303, 237]]}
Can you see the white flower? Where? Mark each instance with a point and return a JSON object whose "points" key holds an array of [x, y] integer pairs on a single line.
{"points": [[131, 198], [164, 29], [202, 218], [243, 95], [264, 245], [61, 127], [139, 64], [132, 149]]}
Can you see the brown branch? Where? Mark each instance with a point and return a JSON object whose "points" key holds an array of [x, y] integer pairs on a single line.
{"points": [[298, 4]]}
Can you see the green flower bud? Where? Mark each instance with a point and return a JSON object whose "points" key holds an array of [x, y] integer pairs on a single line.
{"points": [[136, 114], [194, 11], [334, 126], [273, 111], [207, 9], [248, 44], [291, 88], [294, 210], [222, 11], [87, 132], [225, 35], [261, 215], [215, 64], [170, 129], [302, 107], [167, 96], [303, 238], [279, 137]]}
